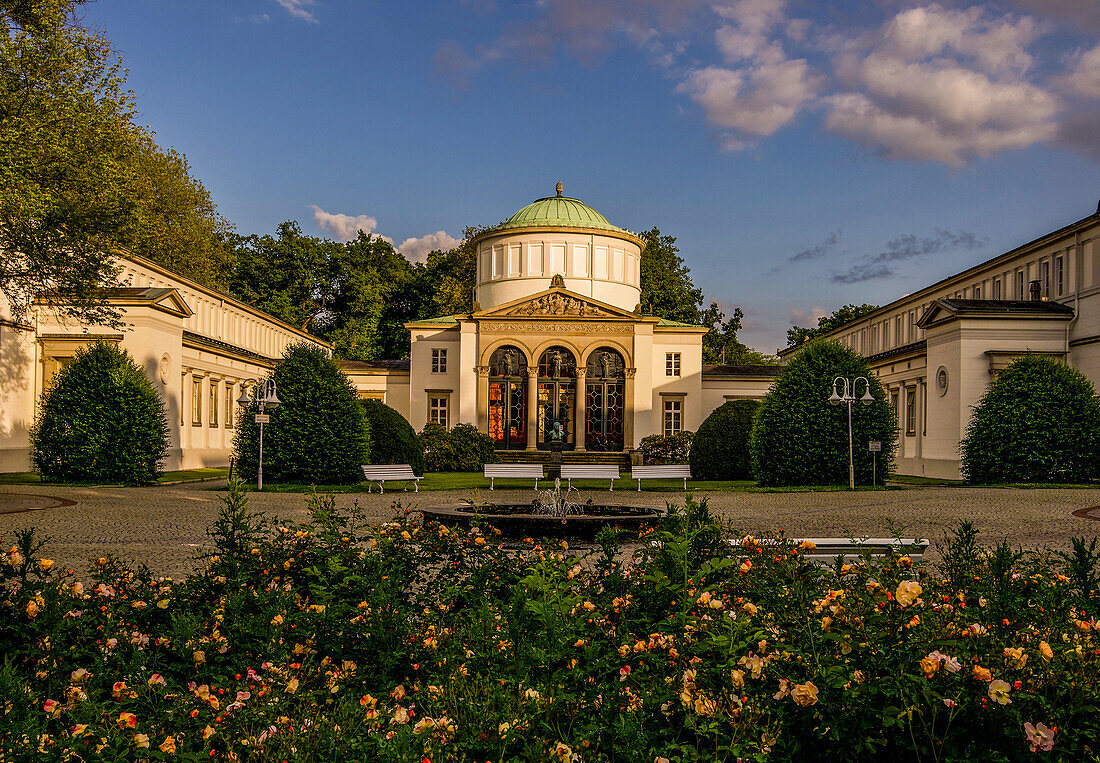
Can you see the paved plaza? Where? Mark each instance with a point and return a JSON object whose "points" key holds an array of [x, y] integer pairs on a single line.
{"points": [[165, 527]]}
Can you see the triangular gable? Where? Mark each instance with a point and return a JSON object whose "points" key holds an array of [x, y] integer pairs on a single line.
{"points": [[174, 303], [556, 303], [937, 312]]}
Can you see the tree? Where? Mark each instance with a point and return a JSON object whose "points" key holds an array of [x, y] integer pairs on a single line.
{"points": [[721, 345], [393, 440], [461, 449], [78, 179], [720, 450], [318, 435], [1038, 422], [796, 335], [101, 421], [799, 439], [667, 289]]}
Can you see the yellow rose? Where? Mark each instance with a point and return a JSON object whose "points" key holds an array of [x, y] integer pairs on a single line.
{"points": [[45, 564], [32, 609], [805, 694], [929, 666], [998, 692], [168, 745], [1045, 651], [1015, 658], [908, 592], [983, 674]]}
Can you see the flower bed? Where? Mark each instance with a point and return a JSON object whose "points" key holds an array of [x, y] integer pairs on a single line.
{"points": [[410, 641]]}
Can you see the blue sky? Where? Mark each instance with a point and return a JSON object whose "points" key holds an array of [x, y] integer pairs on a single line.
{"points": [[805, 154]]}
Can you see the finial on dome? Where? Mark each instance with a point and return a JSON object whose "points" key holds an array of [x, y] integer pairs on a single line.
{"points": [[560, 188]]}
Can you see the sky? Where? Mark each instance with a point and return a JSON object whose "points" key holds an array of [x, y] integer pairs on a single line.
{"points": [[806, 154]]}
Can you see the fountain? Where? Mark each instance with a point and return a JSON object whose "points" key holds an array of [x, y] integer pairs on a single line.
{"points": [[553, 513]]}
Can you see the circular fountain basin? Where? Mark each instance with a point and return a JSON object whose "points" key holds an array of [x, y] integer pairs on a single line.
{"points": [[519, 520]]}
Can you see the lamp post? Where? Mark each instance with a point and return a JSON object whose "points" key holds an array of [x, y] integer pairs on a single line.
{"points": [[848, 395], [268, 400]]}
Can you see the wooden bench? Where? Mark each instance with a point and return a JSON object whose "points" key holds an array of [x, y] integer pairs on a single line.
{"points": [[516, 471], [665, 472], [381, 473], [590, 471], [828, 549]]}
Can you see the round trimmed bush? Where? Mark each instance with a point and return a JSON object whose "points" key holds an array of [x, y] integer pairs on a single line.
{"points": [[720, 450], [663, 449], [101, 421], [799, 439], [1038, 422], [318, 435], [393, 440], [462, 449]]}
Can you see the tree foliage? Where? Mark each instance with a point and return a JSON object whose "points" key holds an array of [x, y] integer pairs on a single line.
{"points": [[318, 435], [78, 178], [1038, 422], [393, 440], [846, 314], [720, 450], [101, 421], [799, 439]]}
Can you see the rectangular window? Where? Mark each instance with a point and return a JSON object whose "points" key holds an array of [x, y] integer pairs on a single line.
{"points": [[214, 402], [229, 403], [1044, 278], [996, 288], [1059, 276], [910, 411], [672, 364], [898, 336], [437, 411], [196, 401], [1019, 289], [977, 293], [439, 361], [674, 411]]}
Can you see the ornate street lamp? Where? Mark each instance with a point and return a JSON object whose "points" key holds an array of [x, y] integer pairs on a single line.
{"points": [[847, 395], [265, 394]]}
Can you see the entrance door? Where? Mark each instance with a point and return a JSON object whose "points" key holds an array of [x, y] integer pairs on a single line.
{"points": [[605, 399], [508, 398], [557, 396]]}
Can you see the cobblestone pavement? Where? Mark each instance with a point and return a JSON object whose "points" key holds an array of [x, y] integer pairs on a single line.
{"points": [[165, 527]]}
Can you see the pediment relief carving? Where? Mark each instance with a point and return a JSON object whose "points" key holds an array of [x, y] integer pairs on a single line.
{"points": [[557, 305]]}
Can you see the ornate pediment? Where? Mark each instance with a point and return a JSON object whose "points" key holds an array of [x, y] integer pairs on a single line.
{"points": [[558, 305]]}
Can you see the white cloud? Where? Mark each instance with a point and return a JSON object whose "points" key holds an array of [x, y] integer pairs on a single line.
{"points": [[417, 249], [807, 319], [344, 227], [751, 24], [299, 9], [1085, 77]]}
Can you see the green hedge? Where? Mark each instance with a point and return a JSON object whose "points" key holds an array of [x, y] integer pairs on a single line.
{"points": [[393, 440], [101, 421], [799, 439], [1039, 422], [720, 450], [462, 449], [318, 435]]}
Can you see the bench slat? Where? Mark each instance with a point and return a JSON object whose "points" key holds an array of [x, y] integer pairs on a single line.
{"points": [[590, 471], [382, 473], [525, 471], [661, 471]]}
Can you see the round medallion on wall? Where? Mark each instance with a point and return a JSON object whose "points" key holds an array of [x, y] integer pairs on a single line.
{"points": [[165, 362], [941, 380]]}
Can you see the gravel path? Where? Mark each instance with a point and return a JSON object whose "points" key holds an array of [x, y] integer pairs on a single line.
{"points": [[165, 527]]}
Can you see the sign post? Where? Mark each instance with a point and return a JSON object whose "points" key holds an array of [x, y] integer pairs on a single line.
{"points": [[875, 446]]}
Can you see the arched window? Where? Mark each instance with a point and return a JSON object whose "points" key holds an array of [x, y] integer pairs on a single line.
{"points": [[605, 400], [557, 390], [508, 398]]}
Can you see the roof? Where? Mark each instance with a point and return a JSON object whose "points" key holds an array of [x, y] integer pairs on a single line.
{"points": [[942, 309], [557, 212], [679, 324], [756, 370], [374, 365], [443, 320]]}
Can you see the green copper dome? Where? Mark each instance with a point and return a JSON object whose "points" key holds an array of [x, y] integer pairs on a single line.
{"points": [[557, 212]]}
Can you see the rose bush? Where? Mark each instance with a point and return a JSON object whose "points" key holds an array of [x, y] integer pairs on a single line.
{"points": [[333, 639]]}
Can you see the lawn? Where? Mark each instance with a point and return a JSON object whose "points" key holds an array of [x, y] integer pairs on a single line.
{"points": [[184, 475]]}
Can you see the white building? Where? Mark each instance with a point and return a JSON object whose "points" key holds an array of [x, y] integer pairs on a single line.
{"points": [[937, 350], [198, 346], [557, 335]]}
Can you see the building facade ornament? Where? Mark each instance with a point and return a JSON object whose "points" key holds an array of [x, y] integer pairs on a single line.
{"points": [[555, 304], [519, 327]]}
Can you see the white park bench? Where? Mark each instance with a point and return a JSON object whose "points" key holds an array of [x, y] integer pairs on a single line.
{"points": [[828, 549], [514, 471], [381, 473], [664, 472], [590, 472]]}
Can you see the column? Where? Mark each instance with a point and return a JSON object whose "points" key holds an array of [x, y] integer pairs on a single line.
{"points": [[482, 420], [532, 406], [581, 401], [628, 419]]}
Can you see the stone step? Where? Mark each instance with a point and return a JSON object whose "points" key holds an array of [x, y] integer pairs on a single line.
{"points": [[622, 460]]}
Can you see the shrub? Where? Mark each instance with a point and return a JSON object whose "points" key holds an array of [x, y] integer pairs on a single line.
{"points": [[393, 440], [101, 421], [1038, 422], [799, 439], [666, 449], [462, 449], [720, 450], [334, 639], [318, 435]]}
